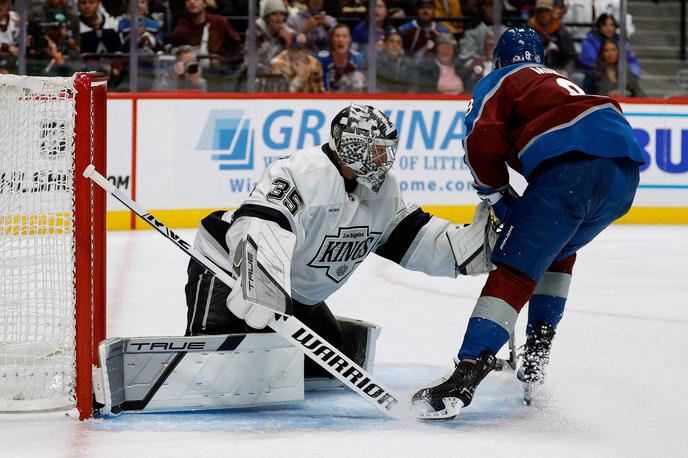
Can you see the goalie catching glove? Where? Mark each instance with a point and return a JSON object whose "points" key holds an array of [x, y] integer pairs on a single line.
{"points": [[263, 260], [472, 244]]}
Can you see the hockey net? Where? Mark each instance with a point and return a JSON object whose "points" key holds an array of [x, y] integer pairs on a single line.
{"points": [[52, 253]]}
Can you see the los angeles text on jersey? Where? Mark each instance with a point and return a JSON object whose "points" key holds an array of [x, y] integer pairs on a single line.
{"points": [[340, 253], [325, 353]]}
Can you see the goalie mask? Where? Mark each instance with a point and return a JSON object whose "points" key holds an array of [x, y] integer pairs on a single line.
{"points": [[366, 141]]}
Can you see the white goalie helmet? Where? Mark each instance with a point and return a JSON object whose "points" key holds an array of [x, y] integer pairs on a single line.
{"points": [[366, 141]]}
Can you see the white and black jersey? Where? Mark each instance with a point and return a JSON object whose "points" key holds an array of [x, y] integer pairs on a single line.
{"points": [[100, 39], [336, 222]]}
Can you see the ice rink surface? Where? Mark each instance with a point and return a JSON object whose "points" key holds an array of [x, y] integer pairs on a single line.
{"points": [[616, 384]]}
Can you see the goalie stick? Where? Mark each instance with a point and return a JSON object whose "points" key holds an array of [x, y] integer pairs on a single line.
{"points": [[287, 326]]}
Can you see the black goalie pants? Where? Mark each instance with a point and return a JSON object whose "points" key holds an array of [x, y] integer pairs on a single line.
{"points": [[207, 314]]}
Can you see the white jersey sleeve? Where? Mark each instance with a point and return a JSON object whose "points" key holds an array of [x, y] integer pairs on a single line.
{"points": [[418, 241]]}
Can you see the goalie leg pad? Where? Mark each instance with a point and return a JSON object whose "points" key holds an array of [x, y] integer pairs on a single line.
{"points": [[360, 338], [160, 374]]}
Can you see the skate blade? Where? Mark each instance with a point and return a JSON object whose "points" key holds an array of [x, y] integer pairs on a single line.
{"points": [[424, 412], [527, 393]]}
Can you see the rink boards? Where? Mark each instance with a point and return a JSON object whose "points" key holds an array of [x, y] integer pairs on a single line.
{"points": [[183, 156]]}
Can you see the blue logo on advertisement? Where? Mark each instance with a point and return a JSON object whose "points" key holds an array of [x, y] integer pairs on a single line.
{"points": [[228, 135], [666, 145]]}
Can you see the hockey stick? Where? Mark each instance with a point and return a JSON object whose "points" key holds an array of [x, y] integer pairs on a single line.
{"points": [[287, 326], [509, 363]]}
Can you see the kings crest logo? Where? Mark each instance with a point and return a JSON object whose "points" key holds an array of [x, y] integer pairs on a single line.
{"points": [[228, 136], [340, 253]]}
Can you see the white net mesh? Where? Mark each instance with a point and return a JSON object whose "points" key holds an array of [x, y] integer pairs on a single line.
{"points": [[37, 294]]}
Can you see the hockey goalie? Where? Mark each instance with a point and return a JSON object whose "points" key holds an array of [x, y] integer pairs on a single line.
{"points": [[311, 220]]}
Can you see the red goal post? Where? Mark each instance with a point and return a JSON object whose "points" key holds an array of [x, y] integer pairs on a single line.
{"points": [[52, 241]]}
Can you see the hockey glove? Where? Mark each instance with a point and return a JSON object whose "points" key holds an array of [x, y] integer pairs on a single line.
{"points": [[501, 200], [263, 260], [472, 244], [255, 316]]}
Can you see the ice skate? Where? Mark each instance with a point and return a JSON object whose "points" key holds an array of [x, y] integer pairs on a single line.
{"points": [[534, 359], [445, 397]]}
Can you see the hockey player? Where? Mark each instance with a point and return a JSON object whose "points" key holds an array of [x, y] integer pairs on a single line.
{"points": [[330, 206], [581, 161]]}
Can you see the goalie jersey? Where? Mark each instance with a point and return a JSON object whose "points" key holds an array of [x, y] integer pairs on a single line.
{"points": [[337, 224]]}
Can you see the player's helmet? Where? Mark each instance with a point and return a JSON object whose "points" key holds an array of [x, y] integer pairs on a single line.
{"points": [[366, 141], [518, 45]]}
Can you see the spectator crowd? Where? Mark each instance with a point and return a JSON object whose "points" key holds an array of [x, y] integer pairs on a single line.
{"points": [[428, 46]]}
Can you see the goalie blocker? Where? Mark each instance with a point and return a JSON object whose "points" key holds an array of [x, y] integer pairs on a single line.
{"points": [[161, 374]]}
